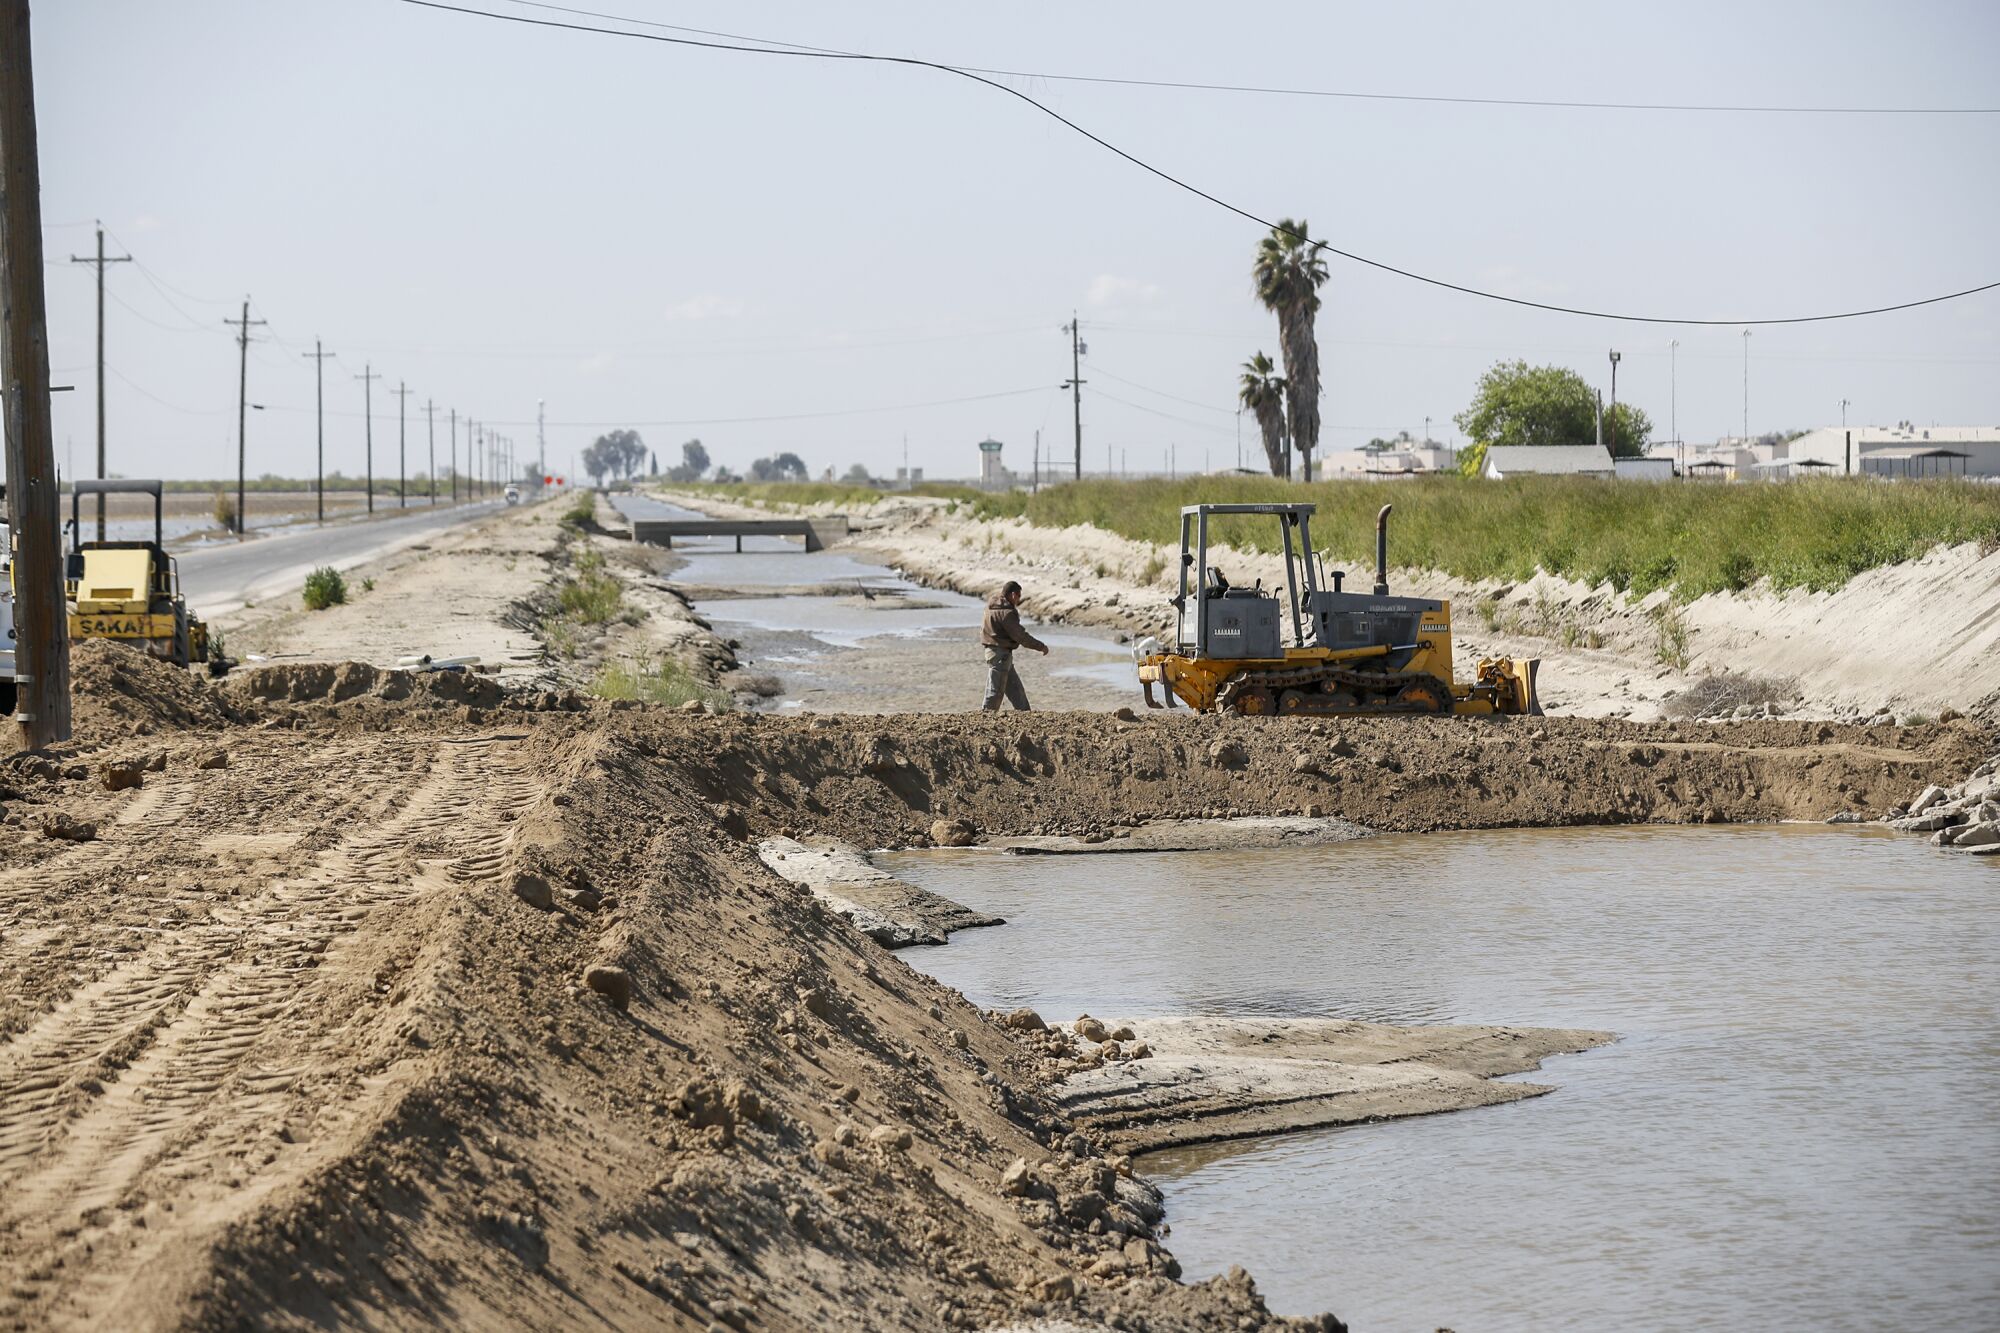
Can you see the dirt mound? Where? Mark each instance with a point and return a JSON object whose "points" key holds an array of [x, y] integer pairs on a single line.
{"points": [[339, 682], [118, 691]]}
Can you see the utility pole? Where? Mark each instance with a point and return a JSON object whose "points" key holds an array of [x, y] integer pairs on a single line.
{"points": [[431, 432], [100, 261], [1614, 402], [319, 356], [1674, 399], [402, 392], [41, 706], [368, 378], [1035, 487], [1075, 385], [1746, 387], [242, 407], [454, 455], [541, 440]]}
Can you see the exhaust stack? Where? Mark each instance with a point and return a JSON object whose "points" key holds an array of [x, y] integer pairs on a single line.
{"points": [[1382, 551]]}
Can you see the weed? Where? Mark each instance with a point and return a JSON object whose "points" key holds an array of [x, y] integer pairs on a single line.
{"points": [[581, 510], [1489, 613], [218, 644], [1725, 692], [1156, 565], [324, 587], [368, 585], [1098, 569], [664, 681], [1671, 636]]}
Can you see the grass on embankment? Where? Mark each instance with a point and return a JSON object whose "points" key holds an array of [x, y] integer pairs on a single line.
{"points": [[1693, 537]]}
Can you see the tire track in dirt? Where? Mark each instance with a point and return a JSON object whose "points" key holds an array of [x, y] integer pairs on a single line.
{"points": [[166, 1071]]}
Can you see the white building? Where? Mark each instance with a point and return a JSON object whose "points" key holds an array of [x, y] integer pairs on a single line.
{"points": [[1903, 450], [1643, 469], [1561, 460]]}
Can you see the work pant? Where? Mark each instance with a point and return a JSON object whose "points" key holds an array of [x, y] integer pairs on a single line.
{"points": [[1002, 679]]}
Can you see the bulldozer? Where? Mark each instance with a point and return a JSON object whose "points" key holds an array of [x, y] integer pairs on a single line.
{"points": [[1348, 652], [131, 590]]}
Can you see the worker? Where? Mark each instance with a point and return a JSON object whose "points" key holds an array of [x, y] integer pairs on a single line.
{"points": [[1000, 634]]}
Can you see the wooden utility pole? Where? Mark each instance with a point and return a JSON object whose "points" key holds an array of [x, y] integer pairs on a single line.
{"points": [[41, 707], [100, 261], [431, 430], [242, 408], [319, 356], [454, 455], [368, 378], [1075, 385], [402, 392]]}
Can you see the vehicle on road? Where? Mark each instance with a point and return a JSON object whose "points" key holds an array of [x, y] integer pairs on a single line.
{"points": [[513, 494], [1350, 652], [129, 591]]}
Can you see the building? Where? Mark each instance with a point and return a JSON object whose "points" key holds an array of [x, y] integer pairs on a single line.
{"points": [[992, 475], [1549, 460], [1404, 456], [1902, 450], [1643, 469]]}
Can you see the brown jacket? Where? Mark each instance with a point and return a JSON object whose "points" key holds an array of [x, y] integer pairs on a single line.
{"points": [[1002, 628]]}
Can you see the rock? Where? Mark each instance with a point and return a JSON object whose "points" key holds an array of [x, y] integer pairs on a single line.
{"points": [[1123, 1032], [613, 983], [1342, 747], [1138, 1050], [212, 759], [60, 826], [1023, 1020], [120, 777], [816, 1002], [694, 706], [953, 832], [1090, 1029], [1112, 1050], [848, 1093], [830, 1153], [959, 1039], [1926, 798], [533, 890], [1017, 1181], [1228, 754], [1304, 764], [1061, 1287], [1125, 714], [731, 819], [583, 900], [1978, 835], [1982, 786], [890, 1137], [845, 1136], [743, 1102]]}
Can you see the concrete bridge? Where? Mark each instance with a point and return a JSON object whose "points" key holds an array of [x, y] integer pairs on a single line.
{"points": [[816, 531]]}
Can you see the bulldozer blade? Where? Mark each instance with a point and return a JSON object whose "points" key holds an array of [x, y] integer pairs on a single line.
{"points": [[1525, 671]]}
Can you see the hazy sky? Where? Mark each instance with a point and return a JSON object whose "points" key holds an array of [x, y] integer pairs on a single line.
{"points": [[647, 235]]}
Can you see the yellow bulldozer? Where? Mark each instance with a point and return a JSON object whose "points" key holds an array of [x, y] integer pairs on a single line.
{"points": [[1349, 652], [130, 590]]}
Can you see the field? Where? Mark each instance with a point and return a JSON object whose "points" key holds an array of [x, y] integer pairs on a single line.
{"points": [[1694, 538]]}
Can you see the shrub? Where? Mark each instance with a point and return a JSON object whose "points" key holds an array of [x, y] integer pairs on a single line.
{"points": [[581, 510], [1725, 692], [224, 509], [325, 587], [665, 681], [1671, 636]]}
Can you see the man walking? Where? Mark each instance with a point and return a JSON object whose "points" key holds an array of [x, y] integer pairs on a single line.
{"points": [[1001, 633]]}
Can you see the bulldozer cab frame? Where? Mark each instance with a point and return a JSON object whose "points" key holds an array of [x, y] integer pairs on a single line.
{"points": [[117, 486], [1294, 524]]}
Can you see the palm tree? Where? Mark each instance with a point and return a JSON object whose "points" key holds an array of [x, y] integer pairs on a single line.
{"points": [[1263, 393], [1287, 276]]}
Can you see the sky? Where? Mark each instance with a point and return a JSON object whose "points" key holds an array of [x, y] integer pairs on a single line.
{"points": [[852, 260]]}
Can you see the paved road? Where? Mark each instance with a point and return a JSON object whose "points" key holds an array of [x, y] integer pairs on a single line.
{"points": [[219, 579]]}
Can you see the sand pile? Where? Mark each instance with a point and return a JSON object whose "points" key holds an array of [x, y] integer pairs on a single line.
{"points": [[118, 691]]}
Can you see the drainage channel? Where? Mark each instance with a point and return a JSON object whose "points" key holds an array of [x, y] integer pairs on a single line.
{"points": [[842, 633], [1798, 1126]]}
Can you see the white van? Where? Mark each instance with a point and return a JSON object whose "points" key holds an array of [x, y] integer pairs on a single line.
{"points": [[513, 494]]}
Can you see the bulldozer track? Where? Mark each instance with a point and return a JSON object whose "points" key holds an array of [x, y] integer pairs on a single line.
{"points": [[1273, 684], [174, 1063]]}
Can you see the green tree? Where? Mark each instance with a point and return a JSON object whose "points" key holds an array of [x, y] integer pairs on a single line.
{"points": [[1287, 275], [694, 462], [858, 475], [779, 467], [1516, 404], [1263, 392]]}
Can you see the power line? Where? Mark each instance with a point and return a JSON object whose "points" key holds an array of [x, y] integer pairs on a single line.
{"points": [[1196, 190], [1147, 388], [1339, 93]]}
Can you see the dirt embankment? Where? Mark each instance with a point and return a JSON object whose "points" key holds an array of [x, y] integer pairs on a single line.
{"points": [[411, 1007], [1912, 640]]}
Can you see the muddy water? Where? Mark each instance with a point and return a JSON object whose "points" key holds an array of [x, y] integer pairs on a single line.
{"points": [[1798, 1128], [921, 644]]}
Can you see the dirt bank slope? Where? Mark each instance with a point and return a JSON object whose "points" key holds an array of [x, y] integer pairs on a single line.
{"points": [[303, 1034]]}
